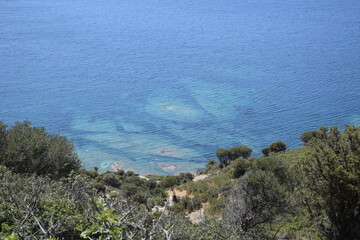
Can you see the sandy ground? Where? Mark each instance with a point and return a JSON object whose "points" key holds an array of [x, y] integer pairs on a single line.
{"points": [[197, 216], [200, 177]]}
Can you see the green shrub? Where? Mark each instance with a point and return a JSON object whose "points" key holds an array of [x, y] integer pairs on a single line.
{"points": [[266, 151], [226, 156], [31, 150], [211, 165], [111, 179], [178, 208], [307, 136], [332, 178], [240, 166], [100, 186], [278, 147], [274, 148], [91, 174], [190, 204], [120, 172], [185, 177], [170, 181], [215, 207], [129, 173], [240, 152], [195, 204]]}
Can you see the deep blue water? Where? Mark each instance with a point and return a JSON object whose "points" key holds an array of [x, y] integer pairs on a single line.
{"points": [[155, 82]]}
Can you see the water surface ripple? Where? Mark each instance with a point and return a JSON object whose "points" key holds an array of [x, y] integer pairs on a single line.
{"points": [[157, 84]]}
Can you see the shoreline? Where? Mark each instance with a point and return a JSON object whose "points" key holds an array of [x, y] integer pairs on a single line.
{"points": [[164, 169]]}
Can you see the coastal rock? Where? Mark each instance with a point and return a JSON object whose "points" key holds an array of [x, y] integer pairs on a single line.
{"points": [[116, 166], [168, 167]]}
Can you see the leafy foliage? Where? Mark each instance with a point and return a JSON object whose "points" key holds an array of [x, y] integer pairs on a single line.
{"points": [[211, 166], [332, 183], [256, 200], [226, 156], [37, 206], [241, 165], [26, 149], [307, 136], [107, 225]]}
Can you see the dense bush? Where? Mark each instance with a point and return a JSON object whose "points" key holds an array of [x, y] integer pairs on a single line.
{"points": [[190, 204], [185, 177], [170, 181], [240, 166], [40, 208], [111, 179], [258, 198], [332, 182], [31, 150], [307, 136]]}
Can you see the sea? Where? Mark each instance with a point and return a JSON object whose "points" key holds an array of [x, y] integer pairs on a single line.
{"points": [[157, 86]]}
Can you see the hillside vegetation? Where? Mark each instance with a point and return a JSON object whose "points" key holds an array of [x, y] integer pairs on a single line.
{"points": [[307, 193]]}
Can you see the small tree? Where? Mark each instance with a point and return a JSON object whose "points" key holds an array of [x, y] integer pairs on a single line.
{"points": [[319, 134], [240, 152], [278, 147], [226, 156], [274, 148]]}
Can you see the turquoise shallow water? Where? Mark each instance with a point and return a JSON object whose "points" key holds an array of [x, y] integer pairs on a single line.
{"points": [[151, 84]]}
